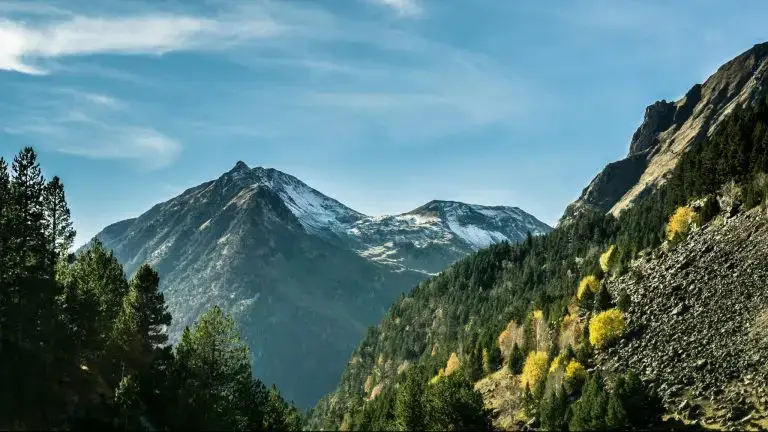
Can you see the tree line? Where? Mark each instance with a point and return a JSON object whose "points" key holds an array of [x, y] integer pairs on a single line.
{"points": [[81, 345]]}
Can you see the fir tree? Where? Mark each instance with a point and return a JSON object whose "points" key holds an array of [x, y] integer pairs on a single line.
{"points": [[409, 405], [516, 360], [553, 409], [140, 327], [57, 220]]}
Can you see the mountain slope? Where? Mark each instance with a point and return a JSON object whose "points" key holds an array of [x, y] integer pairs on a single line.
{"points": [[702, 309], [669, 129], [296, 268], [693, 309]]}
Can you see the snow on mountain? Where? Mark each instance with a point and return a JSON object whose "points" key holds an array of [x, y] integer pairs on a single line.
{"points": [[438, 232]]}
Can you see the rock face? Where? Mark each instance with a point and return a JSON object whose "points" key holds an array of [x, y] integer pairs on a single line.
{"points": [[668, 130], [303, 274], [699, 321]]}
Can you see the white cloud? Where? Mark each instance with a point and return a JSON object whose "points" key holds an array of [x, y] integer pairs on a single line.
{"points": [[23, 44], [403, 7], [148, 146]]}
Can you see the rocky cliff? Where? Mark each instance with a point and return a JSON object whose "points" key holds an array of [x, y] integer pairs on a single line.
{"points": [[669, 129]]}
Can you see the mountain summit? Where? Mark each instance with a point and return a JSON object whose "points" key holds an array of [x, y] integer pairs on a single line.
{"points": [[669, 129], [303, 274]]}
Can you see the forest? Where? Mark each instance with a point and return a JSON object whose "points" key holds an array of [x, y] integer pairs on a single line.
{"points": [[539, 310], [83, 346]]}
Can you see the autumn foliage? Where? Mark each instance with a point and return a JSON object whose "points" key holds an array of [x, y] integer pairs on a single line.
{"points": [[680, 223], [607, 259], [590, 283], [535, 369], [606, 327]]}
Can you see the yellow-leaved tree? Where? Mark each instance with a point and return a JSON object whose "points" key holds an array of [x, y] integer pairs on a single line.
{"points": [[680, 223], [452, 365], [575, 374], [590, 283], [608, 258], [534, 369], [606, 327]]}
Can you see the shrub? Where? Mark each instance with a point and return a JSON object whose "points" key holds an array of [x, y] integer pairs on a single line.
{"points": [[589, 284], [575, 375], [560, 360], [606, 327], [535, 369], [608, 259], [680, 223], [709, 210]]}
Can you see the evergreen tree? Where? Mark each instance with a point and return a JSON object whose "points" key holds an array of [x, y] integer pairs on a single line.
{"points": [[57, 220], [100, 287], [128, 402], [553, 409], [453, 404], [409, 405], [140, 328], [603, 299], [516, 360]]}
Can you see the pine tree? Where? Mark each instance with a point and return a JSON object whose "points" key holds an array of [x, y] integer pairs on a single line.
{"points": [[215, 367], [603, 299], [516, 360], [409, 405], [100, 287], [140, 327], [453, 404], [553, 409], [57, 221]]}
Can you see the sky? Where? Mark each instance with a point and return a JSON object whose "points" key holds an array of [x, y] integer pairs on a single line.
{"points": [[381, 104]]}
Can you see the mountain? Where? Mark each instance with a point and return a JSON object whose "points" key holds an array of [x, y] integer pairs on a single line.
{"points": [[651, 282], [303, 274], [439, 232], [669, 129]]}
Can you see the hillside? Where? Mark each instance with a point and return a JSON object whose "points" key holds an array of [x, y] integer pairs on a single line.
{"points": [[662, 298], [303, 274]]}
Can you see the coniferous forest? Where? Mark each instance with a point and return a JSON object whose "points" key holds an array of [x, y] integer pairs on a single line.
{"points": [[84, 347]]}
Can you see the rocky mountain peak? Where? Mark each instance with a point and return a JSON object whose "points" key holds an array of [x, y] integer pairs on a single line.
{"points": [[669, 129], [240, 166]]}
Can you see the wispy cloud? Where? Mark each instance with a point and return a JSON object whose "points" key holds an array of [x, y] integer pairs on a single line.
{"points": [[159, 33], [402, 7], [91, 125]]}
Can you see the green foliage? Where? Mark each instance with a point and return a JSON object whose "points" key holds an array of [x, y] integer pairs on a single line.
{"points": [[553, 409], [452, 404], [84, 349], [409, 405], [603, 300], [629, 406], [516, 360]]}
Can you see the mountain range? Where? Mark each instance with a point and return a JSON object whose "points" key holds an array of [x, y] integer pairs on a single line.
{"points": [[303, 274]]}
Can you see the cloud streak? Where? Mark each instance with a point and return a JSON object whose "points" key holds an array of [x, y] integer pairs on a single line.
{"points": [[23, 44], [408, 8], [90, 125]]}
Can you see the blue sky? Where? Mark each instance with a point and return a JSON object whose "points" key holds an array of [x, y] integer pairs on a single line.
{"points": [[382, 104]]}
